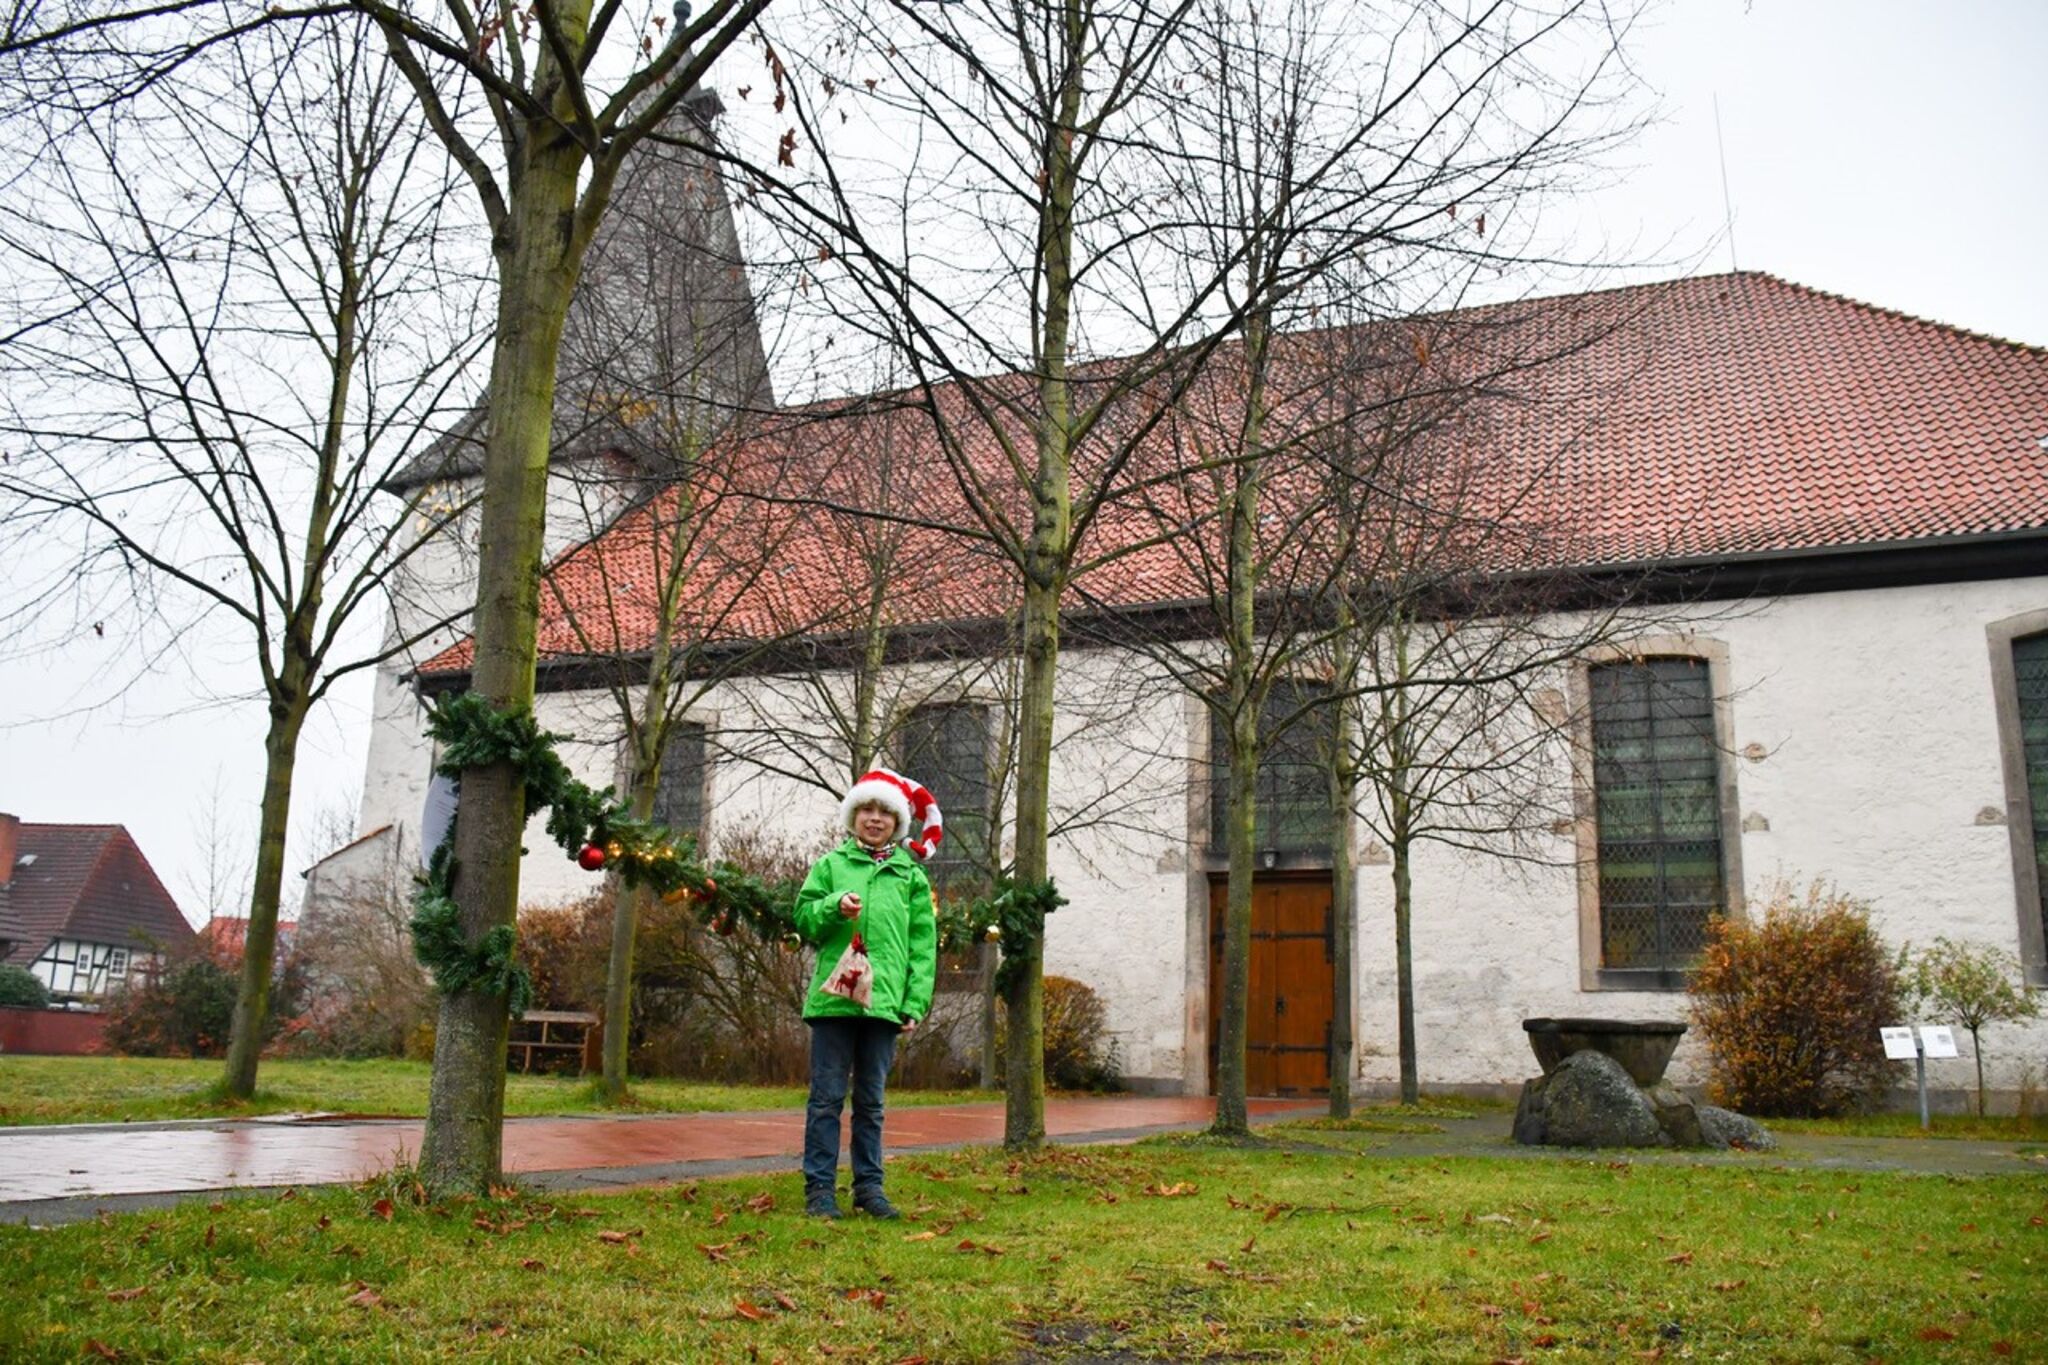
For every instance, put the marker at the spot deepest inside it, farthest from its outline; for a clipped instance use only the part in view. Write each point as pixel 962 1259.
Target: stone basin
pixel 1642 1046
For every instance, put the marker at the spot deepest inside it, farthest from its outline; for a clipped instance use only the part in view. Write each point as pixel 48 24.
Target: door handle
pixel 1280 1005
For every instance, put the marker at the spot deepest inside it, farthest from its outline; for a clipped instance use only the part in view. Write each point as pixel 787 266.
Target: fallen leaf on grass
pixel 620 1238
pixel 382 1208
pixel 1546 1341
pixel 1729 1286
pixel 761 1203
pixel 1248 1244
pixel 745 1308
pixel 1492 1310
pixel 123 1295
pixel 531 1264
pixel 1219 1265
pixel 209 1235
pixel 1682 1258
pixel 873 1298
pixel 1173 1191
pixel 784 1302
pixel 2002 1348
pixel 1936 1334
pixel 1539 1237
pixel 95 1347
pixel 985 1248
pixel 715 1253
pixel 912 1360
pixel 365 1298
pixel 920 1236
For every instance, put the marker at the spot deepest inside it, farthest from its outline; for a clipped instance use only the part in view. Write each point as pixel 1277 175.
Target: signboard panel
pixel 1938 1040
pixel 1898 1044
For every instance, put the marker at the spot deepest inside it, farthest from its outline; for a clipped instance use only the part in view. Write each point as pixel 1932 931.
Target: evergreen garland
pixel 595 828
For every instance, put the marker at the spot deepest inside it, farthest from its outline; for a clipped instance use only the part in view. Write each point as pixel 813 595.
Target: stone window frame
pixel 708 722
pixel 1713 652
pixel 2000 637
pixel 991 708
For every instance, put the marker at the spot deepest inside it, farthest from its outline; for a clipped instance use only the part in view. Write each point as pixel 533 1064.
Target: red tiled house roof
pixel 1701 422
pixel 90 883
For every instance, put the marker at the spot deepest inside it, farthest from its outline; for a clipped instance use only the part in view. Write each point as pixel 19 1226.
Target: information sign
pixel 1898 1044
pixel 1938 1040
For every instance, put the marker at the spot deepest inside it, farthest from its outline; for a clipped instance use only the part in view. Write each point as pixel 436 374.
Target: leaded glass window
pixel 679 799
pixel 946 747
pixel 1294 813
pixel 1656 780
pixel 2030 673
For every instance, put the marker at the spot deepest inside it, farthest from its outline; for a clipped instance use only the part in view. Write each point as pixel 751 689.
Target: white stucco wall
pixel 1879 752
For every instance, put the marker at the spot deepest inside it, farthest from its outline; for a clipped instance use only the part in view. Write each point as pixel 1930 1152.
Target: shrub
pixel 184 1010
pixel 1790 1002
pixel 23 989
pixel 365 994
pixel 1969 986
pixel 1079 1053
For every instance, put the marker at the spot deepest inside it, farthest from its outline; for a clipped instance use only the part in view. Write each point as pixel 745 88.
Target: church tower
pixel 662 352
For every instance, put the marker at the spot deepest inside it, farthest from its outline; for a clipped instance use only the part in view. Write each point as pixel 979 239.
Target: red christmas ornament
pixel 591 858
pixel 724 925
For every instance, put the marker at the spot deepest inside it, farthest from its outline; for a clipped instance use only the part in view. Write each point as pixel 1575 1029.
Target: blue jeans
pixel 865 1048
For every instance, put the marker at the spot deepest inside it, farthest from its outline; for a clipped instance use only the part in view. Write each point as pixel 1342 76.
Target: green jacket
pixel 896 923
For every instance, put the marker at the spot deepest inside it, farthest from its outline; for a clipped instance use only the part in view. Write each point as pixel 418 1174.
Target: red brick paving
pixel 59 1163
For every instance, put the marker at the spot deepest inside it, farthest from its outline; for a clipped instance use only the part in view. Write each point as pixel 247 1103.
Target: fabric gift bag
pixel 853 978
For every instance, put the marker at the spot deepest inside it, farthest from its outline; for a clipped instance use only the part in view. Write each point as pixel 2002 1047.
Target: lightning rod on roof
pixel 1727 204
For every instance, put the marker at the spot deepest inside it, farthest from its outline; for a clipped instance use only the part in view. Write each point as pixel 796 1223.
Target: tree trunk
pixel 1232 1114
pixel 1404 965
pixel 629 903
pixel 1343 915
pixel 1024 996
pixel 539 252
pixel 259 935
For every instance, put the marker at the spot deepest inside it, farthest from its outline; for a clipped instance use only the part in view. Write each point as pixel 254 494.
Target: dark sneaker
pixel 875 1204
pixel 821 1204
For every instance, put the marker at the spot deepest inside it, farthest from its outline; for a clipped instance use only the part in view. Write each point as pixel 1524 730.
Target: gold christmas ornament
pixel 993 932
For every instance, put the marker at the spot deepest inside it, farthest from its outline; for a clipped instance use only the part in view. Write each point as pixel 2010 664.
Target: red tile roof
pixel 1697 420
pixel 90 883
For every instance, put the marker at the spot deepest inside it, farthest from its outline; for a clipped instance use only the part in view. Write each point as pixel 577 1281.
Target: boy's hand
pixel 909 1027
pixel 849 904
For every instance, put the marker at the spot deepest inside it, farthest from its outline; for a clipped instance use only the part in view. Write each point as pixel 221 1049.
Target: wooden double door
pixel 1287 1036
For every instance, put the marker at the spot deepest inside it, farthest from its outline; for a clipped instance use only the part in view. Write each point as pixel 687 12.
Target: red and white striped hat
pixel 913 806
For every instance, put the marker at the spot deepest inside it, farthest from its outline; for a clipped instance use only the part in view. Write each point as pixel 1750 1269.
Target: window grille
pixel 1656 778
pixel 946 747
pixel 2030 673
pixel 679 799
pixel 1294 815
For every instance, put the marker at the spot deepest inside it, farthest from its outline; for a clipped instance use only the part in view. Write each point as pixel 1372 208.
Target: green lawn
pixel 116 1089
pixel 1306 1248
pixel 1991 1128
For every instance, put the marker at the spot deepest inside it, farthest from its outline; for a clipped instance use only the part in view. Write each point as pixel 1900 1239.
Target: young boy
pixel 869 887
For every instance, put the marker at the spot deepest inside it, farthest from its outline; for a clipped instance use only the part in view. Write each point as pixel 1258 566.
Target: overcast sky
pixel 1895 153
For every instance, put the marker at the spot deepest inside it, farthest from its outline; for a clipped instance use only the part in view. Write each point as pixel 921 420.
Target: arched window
pixel 2030 690
pixel 1657 809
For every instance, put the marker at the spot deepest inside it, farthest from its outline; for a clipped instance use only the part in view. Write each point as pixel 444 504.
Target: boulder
pixel 1676 1115
pixel 1588 1101
pixel 1725 1128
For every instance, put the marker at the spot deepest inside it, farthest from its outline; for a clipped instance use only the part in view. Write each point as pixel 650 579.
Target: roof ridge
pixel 1897 314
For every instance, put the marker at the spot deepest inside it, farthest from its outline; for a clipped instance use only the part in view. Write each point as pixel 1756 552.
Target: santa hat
pixel 908 801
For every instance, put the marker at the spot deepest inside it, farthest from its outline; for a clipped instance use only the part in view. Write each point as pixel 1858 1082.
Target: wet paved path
pixel 89 1161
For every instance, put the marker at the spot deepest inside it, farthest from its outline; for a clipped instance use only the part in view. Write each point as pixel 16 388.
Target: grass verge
pixel 1157 1251
pixel 36 1090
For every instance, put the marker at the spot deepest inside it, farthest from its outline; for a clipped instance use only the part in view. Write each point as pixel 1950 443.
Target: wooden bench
pixel 552 1038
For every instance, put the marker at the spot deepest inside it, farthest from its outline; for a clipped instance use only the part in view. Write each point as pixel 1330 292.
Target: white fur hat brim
pixel 872 790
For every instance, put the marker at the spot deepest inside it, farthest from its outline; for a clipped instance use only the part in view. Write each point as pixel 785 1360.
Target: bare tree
pixel 233 329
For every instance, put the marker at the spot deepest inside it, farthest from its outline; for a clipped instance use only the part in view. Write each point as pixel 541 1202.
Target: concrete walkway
pixel 56 1174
